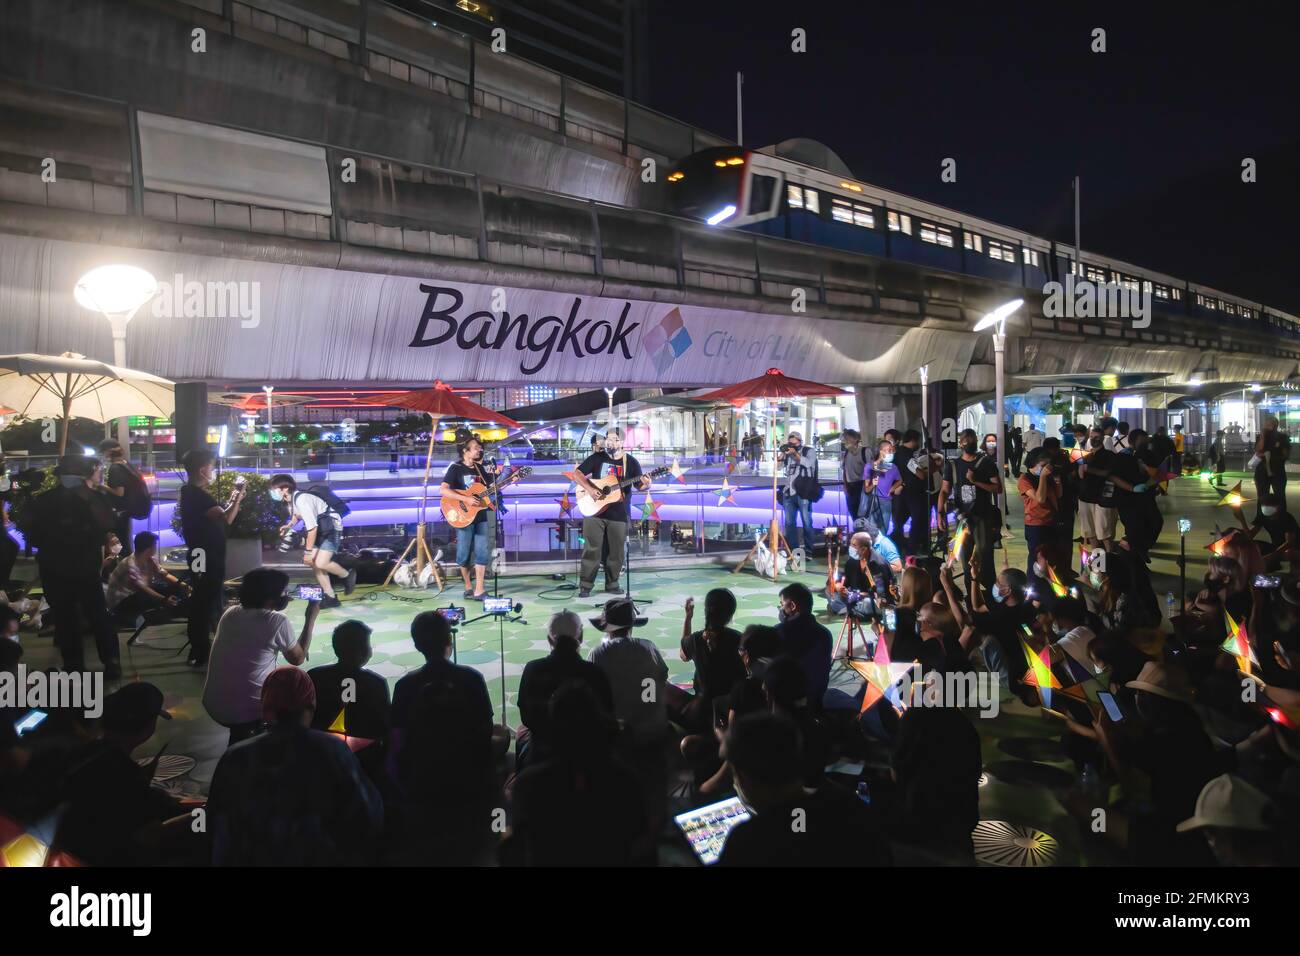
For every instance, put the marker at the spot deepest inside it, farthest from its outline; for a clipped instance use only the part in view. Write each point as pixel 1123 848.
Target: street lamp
pixel 270 430
pixel 116 292
pixel 997 320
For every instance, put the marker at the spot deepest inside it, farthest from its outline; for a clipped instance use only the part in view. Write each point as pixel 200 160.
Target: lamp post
pixel 270 431
pixel 997 320
pixel 116 292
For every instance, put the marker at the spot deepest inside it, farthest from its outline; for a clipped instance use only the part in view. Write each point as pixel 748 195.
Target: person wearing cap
pixel 797 462
pixel 544 675
pixel 118 473
pixel 68 526
pixel 636 671
pixel 110 804
pixel 293 796
pixel 1239 822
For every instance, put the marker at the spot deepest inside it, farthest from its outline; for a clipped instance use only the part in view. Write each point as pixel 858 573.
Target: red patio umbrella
pixel 439 402
pixel 771 384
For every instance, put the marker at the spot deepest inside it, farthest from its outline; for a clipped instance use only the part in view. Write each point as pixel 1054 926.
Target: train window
pixel 851 212
pixel 940 235
pixel 972 240
pixel 794 196
pixel 761 191
pixel 1094 274
pixel 841 210
pixel 900 223
pixel 1161 292
pixel 811 200
pixel 1001 251
pixel 864 216
pixel 1031 257
pixel 1176 293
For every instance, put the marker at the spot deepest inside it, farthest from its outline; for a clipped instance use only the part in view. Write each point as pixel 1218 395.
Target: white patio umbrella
pixel 71 386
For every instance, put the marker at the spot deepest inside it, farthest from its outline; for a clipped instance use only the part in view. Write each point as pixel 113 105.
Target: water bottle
pixel 1170 605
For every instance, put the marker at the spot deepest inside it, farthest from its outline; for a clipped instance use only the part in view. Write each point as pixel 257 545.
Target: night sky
pixel 1157 126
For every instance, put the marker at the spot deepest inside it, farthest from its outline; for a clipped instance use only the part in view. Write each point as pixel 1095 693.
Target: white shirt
pixel 1075 643
pixel 805 464
pixel 245 651
pixel 637 674
pixel 310 508
pixel 1033 439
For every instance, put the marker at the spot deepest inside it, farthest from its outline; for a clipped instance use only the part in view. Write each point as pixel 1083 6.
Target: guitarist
pixel 478 535
pixel 610 526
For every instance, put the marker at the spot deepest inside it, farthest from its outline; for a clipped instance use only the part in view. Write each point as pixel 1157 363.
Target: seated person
pixel 347 688
pixel 1282 529
pixel 140 584
pixel 806 640
pixel 869 568
pixel 766 754
pixel 715 651
pixel 292 796
pixel 544 675
pixel 112 555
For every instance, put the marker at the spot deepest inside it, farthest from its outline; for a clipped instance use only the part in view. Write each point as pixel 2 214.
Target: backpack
pixel 325 494
pixel 807 486
pixel 136 500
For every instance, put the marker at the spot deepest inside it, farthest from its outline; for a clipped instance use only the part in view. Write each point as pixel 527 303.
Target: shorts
pixel 477 538
pixel 329 535
pixel 1096 521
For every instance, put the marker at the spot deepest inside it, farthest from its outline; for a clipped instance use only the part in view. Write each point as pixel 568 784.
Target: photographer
pixel 867 554
pixel 324 526
pixel 800 489
pixel 124 482
pixel 972 481
pixel 203 526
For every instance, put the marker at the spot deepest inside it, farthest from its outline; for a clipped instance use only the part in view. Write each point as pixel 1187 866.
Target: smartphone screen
pixel 1112 709
pixel 1267 581
pixel 29 721
pixel 453 614
pixel 310 592
pixel 498 605
pixel 891 619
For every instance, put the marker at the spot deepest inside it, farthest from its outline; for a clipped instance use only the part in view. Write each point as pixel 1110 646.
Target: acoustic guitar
pixel 591 506
pixel 460 514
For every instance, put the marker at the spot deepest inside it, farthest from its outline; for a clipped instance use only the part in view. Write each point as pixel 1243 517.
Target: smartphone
pixel 310 592
pixel 891 619
pixel 29 721
pixel 498 605
pixel 1267 581
pixel 1112 709
pixel 706 828
pixel 453 614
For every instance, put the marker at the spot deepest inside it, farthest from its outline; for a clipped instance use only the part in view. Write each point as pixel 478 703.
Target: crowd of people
pixel 1194 711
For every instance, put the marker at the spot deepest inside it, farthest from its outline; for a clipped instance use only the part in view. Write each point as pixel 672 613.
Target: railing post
pixel 595 238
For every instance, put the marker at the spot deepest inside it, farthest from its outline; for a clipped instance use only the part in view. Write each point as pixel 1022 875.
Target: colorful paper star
pixel 1039 673
pixel 29 846
pixel 1238 645
pixel 882 676
pixel 677 471
pixel 566 505
pixel 1059 589
pixel 726 494
pixel 340 728
pixel 649 508
pixel 1233 498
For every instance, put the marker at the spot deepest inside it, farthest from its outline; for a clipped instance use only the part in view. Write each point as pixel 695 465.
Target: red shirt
pixel 1037 513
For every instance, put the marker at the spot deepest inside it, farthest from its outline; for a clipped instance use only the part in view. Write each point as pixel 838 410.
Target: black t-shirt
pixel 1129 468
pixel 588 814
pixel 198 530
pixel 367 710
pixel 461 476
pixel 602 465
pixel 937 760
pixel 543 676
pixel 968 498
pixel 838 830
pixel 1003 623
pixel 718 669
pixel 68 530
pixel 116 477
pixel 1274 458
pixel 913 486
pixel 1098 489
pixel 1278 526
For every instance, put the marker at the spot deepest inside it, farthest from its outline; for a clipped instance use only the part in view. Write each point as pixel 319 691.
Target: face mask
pixel 1268 510
pixel 998 593
pixel 781 615
pixel 1098 668
pixel 991 446
pixel 887 459
pixel 1035 471
pixel 854 553
pixel 970 448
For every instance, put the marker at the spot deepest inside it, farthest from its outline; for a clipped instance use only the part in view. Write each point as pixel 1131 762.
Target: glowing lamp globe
pixel 115 289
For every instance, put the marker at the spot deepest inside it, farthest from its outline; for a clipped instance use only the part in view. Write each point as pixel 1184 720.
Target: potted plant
pixel 258 522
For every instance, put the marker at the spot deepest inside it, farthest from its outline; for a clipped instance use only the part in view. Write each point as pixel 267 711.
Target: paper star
pixel 677 471
pixel 726 494
pixel 340 728
pixel 1238 645
pixel 1039 673
pixel 1233 498
pixel 958 541
pixel 649 509
pixel 566 505
pixel 1059 589
pixel 29 846
pixel 882 676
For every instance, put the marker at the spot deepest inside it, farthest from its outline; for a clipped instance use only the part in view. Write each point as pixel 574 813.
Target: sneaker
pixel 329 601
pixel 350 582
pixel 613 589
pixel 584 592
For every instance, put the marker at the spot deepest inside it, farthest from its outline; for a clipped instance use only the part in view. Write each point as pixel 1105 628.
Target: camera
pixel 289 540
pixel 453 614
pixel 310 592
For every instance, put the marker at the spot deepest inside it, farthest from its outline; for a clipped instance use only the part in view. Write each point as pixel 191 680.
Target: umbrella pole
pixel 67 424
pixel 421 548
